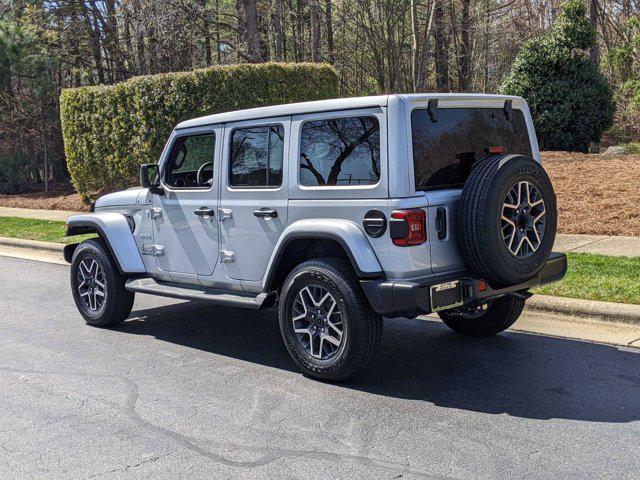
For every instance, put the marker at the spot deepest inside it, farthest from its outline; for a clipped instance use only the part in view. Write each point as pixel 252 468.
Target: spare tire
pixel 507 218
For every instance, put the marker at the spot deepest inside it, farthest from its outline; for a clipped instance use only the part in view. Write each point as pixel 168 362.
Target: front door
pixel 253 195
pixel 185 226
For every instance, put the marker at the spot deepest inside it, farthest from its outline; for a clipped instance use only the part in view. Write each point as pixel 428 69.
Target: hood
pixel 120 199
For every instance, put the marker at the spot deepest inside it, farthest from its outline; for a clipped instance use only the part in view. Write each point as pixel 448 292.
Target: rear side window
pixel 340 151
pixel 256 156
pixel 444 151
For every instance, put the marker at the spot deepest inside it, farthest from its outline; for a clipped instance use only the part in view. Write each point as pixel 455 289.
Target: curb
pixel 32 245
pixel 606 311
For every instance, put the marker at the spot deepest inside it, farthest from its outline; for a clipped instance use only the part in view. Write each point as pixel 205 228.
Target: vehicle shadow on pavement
pixel 518 374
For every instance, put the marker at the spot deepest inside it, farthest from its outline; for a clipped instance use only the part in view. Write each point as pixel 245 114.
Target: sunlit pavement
pixel 186 390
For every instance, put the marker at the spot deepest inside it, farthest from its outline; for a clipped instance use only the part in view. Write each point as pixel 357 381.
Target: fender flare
pixel 346 233
pixel 115 231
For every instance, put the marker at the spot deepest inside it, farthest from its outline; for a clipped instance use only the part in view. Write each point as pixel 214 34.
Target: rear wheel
pixel 484 320
pixel 97 285
pixel 327 325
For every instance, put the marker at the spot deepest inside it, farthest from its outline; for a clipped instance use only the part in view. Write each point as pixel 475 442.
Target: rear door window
pixel 256 156
pixel 445 151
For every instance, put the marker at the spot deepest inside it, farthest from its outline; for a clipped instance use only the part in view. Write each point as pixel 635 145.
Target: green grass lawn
pixel 33 229
pixel 599 277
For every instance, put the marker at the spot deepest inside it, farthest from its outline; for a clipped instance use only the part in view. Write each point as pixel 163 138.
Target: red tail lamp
pixel 408 227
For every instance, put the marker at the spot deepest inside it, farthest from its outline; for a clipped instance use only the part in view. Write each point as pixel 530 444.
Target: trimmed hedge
pixel 109 131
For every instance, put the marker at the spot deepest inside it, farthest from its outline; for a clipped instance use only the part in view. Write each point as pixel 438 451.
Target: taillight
pixel 408 227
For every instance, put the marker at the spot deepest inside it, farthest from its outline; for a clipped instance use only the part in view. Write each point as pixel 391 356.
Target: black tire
pixel 499 315
pixel 361 326
pixel 480 227
pixel 116 303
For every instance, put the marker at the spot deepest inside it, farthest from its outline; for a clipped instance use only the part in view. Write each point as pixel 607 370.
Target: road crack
pixel 270 454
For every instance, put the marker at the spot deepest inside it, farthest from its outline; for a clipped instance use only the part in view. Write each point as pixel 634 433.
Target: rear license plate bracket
pixel 444 296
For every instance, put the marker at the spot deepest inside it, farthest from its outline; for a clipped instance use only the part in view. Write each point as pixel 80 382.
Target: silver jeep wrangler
pixel 340 212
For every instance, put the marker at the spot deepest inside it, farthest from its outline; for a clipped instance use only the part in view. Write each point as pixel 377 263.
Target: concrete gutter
pixel 607 311
pixel 32 250
pixel 19 243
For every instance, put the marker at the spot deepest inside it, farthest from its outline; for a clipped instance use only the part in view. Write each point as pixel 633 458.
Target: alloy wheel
pixel 317 322
pixel 523 219
pixel 91 284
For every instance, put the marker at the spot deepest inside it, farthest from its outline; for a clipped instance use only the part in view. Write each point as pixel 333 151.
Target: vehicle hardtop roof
pixel 331 105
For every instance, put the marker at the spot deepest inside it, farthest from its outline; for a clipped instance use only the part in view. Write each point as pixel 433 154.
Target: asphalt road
pixel 186 390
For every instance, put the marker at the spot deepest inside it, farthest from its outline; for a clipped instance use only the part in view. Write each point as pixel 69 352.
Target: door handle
pixel 265 213
pixel 205 212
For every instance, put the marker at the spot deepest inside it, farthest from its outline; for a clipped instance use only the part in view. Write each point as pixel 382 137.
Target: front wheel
pixel 327 325
pixel 97 285
pixel 484 320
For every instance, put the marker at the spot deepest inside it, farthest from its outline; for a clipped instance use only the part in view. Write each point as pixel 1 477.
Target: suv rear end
pixel 435 142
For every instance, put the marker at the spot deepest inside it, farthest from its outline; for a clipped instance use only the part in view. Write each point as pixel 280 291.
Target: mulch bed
pixel 60 197
pixel 597 194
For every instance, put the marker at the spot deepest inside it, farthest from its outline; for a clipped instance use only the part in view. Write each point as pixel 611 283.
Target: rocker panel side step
pixel 216 296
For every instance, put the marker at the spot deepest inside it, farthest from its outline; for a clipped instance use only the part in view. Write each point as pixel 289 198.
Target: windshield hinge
pixel 508 110
pixel 432 106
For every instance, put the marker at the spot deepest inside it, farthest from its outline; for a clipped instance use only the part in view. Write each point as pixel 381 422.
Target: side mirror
pixel 150 178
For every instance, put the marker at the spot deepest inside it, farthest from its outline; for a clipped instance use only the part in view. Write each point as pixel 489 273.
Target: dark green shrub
pixel 110 130
pixel 570 100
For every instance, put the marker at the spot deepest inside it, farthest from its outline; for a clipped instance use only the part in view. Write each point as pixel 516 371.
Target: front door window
pixel 190 164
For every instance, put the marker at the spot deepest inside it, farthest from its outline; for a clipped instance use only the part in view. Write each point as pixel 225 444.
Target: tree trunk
pixel 128 43
pixel 415 53
pixel 277 23
pixel 328 15
pixel 140 46
pixel 441 60
pixel 316 47
pixel 94 38
pixel 593 19
pixel 464 70
pixel 263 31
pixel 426 47
pixel 206 30
pixel 218 53
pixel 111 31
pixel 251 30
pixel 296 25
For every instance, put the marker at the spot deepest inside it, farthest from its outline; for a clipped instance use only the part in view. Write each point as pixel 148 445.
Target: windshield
pixel 444 151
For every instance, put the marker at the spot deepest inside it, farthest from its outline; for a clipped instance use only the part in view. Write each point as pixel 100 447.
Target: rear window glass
pixel 444 151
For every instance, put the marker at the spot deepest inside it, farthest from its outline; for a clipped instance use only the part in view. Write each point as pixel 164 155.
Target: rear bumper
pixel 406 298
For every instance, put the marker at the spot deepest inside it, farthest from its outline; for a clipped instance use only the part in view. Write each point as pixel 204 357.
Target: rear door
pixel 253 200
pixel 445 150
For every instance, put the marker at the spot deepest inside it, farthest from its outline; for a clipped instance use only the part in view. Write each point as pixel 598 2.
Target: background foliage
pixel 376 46
pixel 570 100
pixel 110 130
